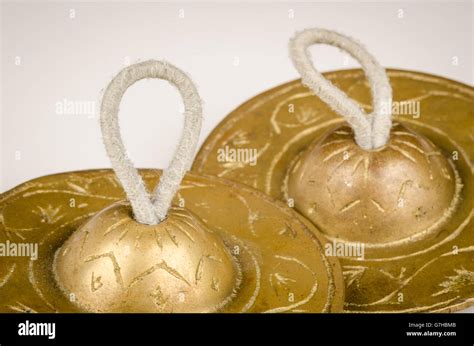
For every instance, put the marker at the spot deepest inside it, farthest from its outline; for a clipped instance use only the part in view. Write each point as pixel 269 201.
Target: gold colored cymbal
pixel 223 248
pixel 408 205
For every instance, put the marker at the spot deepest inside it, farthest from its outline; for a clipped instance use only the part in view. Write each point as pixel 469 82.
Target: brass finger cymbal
pixel 409 204
pixel 224 247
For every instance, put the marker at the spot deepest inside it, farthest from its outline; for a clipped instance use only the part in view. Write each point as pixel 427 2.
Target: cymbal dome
pixel 115 264
pixel 398 193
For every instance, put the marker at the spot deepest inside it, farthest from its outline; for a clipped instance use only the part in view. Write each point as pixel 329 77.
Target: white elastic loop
pixel 371 131
pixel 145 210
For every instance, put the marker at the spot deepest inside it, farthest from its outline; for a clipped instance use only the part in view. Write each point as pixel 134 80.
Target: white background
pixel 74 59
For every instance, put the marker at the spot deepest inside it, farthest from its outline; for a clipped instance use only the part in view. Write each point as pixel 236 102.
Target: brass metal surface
pixel 417 231
pixel 115 264
pixel 398 194
pixel 224 247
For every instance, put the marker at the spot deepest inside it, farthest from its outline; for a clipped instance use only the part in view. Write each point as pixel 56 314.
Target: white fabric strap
pixel 371 131
pixel 145 210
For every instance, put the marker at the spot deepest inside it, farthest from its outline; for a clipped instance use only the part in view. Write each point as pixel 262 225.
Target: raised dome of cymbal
pixel 115 264
pixel 398 193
